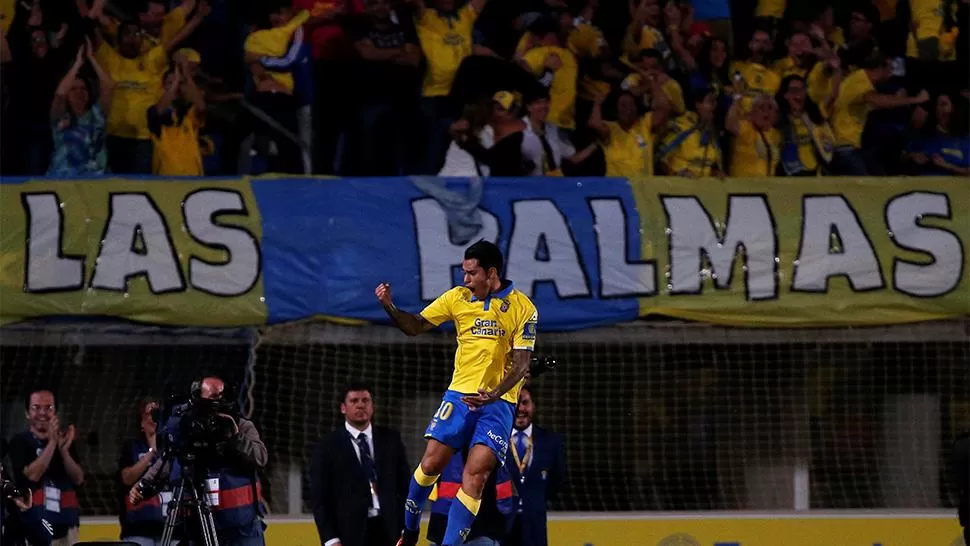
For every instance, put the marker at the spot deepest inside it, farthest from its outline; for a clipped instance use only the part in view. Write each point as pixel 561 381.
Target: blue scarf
pixel 791 160
pixel 707 139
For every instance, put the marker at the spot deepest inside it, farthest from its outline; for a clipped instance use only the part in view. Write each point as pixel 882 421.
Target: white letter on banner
pixel 136 242
pixel 693 235
pixel 437 255
pixel 829 219
pixel 239 272
pixel 943 271
pixel 619 277
pixel 48 268
pixel 538 222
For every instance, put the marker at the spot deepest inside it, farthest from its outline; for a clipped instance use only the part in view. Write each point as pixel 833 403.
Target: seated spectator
pixel 628 142
pixel 174 123
pixel 857 96
pixel 79 122
pixel 504 157
pixel 756 144
pixel 807 139
pixel 941 146
pixel 557 69
pixel 545 145
pixel 691 148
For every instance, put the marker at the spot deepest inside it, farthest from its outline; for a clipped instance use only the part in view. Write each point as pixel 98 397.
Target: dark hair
pixel 528 387
pixel 536 93
pixel 811 108
pixel 36 390
pixel 652 53
pixel 487 254
pixel 722 74
pixel 696 96
pixel 125 24
pixel 877 59
pixel 140 407
pixel 870 12
pixel 355 386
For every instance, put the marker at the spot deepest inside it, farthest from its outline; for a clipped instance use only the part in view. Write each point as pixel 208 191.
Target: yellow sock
pixel 472 504
pixel 423 479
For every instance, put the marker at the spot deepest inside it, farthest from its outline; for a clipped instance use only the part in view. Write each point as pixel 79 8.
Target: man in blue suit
pixel 537 464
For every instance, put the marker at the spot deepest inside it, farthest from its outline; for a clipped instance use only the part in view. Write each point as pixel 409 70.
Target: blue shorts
pixel 458 427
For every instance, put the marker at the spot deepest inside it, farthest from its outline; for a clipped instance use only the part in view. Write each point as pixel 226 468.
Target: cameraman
pixel 19 524
pixel 236 509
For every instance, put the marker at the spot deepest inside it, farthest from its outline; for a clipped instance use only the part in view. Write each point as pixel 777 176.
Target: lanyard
pixel 522 462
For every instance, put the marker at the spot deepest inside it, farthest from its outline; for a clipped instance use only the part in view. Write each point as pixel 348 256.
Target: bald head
pixel 212 388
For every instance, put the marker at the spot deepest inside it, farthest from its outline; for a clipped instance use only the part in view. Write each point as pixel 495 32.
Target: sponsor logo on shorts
pixel 498 440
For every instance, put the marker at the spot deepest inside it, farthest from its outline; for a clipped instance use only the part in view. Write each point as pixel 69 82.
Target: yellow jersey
pixel 176 143
pixel 275 42
pixel 755 153
pixel 488 331
pixel 445 42
pixel 584 41
pixel 686 149
pixel 138 86
pixel 805 142
pixel 562 93
pixel 851 109
pixel 773 9
pixel 8 9
pixel 757 80
pixel 630 153
pixel 787 67
pixel 821 85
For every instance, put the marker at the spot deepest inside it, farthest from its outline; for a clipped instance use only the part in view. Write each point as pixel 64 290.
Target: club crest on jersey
pixel 505 306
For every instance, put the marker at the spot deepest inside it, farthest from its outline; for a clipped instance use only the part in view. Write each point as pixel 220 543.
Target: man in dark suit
pixel 359 478
pixel 537 464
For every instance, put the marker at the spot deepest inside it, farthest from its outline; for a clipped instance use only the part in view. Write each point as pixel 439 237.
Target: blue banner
pixel 329 244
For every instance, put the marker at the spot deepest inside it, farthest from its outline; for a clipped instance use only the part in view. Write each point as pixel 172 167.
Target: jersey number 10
pixel 444 411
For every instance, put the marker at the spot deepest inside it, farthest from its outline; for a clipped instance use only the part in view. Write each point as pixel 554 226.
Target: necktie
pixel 367 462
pixel 522 451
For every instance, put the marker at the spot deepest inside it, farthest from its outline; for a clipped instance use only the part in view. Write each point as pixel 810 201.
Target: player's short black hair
pixel 355 386
pixel 487 254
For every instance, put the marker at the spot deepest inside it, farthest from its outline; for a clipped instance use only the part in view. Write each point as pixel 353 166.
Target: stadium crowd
pixel 487 87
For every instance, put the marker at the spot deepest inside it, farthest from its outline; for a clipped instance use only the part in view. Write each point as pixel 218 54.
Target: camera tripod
pixel 191 495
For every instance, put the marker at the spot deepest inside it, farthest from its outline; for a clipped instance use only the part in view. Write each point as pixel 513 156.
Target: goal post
pixel 655 416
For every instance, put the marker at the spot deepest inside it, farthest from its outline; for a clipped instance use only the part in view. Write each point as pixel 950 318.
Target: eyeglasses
pixel 41 408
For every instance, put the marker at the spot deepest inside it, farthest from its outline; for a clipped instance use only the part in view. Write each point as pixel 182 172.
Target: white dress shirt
pixel 528 434
pixel 354 433
pixel 369 431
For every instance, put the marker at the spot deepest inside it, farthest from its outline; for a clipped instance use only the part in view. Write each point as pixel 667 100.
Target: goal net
pixel 655 416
